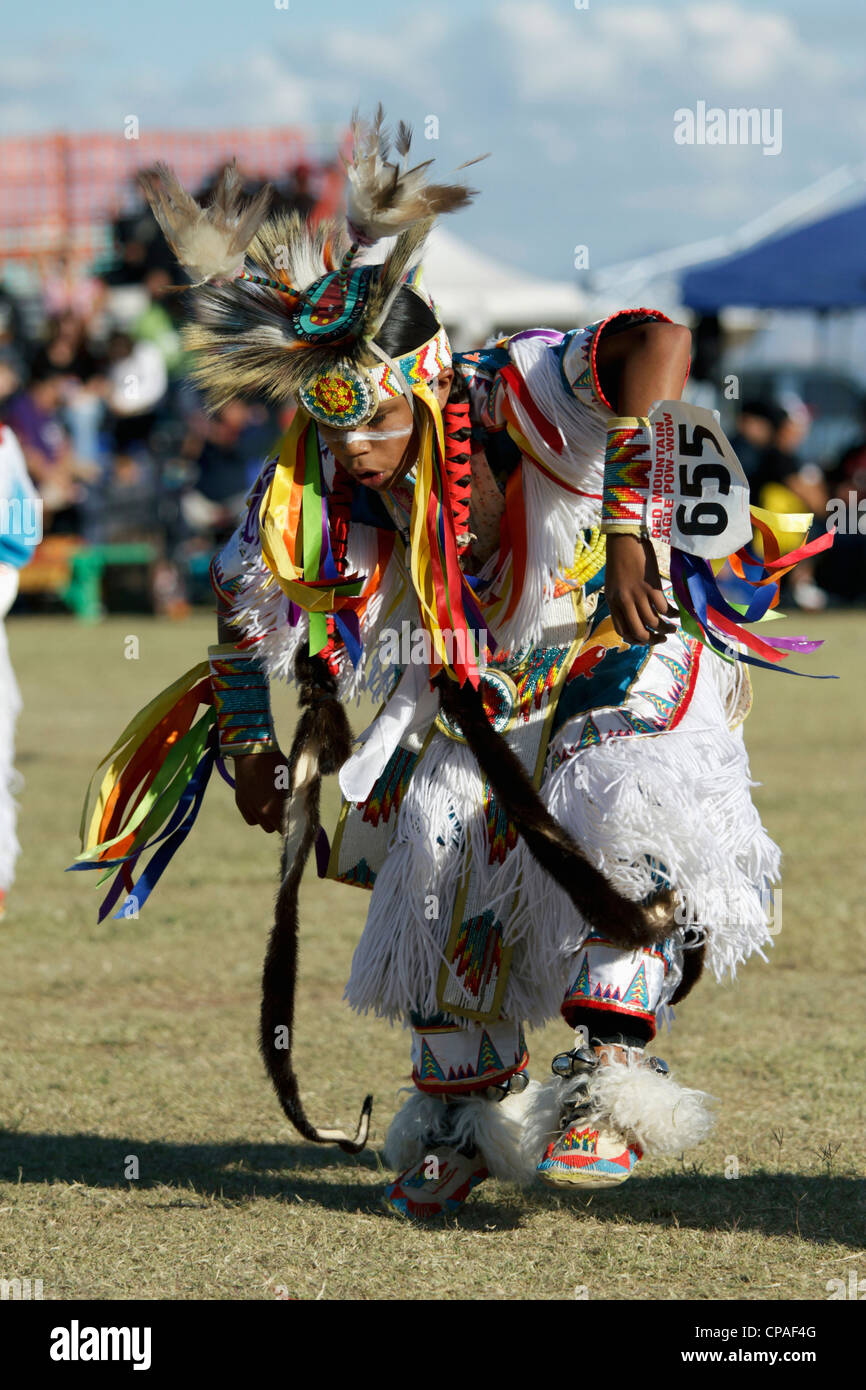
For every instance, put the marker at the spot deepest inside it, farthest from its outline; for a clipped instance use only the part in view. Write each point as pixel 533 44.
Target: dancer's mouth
pixel 370 478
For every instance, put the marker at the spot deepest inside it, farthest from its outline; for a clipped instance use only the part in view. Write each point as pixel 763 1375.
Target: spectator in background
pixel 12 338
pixel 68 350
pixel 298 196
pixel 753 434
pixel 137 382
pixel 67 347
pixel 784 482
pixel 842 568
pixel 11 373
pixel 128 267
pixel 231 446
pixel 702 385
pixel 34 415
pixel 69 289
pixel 157 324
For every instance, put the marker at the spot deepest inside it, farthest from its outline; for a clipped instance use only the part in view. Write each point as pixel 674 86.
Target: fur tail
pixel 322 742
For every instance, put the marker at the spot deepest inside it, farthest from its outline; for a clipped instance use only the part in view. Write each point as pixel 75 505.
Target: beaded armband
pixel 627 465
pixel 242 701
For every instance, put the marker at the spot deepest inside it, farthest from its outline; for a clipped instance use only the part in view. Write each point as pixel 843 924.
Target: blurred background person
pixel 784 482
pixel 753 433
pixel 34 414
pixel 137 382
pixel 842 568
pixel 20 529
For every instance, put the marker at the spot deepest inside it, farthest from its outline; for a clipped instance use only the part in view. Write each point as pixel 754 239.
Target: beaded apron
pixel 581 675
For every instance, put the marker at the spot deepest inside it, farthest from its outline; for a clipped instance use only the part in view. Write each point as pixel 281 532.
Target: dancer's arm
pixel 640 364
pixel 259 785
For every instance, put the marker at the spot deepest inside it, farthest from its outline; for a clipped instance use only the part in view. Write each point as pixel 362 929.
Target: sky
pixel 574 99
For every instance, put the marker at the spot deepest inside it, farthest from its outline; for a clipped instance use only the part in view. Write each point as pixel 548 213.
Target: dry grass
pixel 139 1039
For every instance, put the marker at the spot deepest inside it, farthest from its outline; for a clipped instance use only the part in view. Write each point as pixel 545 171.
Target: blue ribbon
pixel 171 838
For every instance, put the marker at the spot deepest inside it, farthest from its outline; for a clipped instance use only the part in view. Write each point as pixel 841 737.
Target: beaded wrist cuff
pixel 627 463
pixel 241 700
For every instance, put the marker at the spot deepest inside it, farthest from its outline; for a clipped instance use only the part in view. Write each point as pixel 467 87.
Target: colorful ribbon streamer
pixel 718 597
pixel 150 796
pixel 296 548
pixel 443 594
pixel 293 523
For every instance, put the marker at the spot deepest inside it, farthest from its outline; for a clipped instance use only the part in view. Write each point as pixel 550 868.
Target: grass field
pixel 140 1039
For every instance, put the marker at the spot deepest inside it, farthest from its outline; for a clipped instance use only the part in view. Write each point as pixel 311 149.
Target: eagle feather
pixel 209 242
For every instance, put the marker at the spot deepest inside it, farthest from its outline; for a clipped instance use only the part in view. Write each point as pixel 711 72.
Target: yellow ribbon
pixel 136 731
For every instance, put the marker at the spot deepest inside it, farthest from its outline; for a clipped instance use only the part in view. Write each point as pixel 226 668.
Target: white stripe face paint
pixel 352 436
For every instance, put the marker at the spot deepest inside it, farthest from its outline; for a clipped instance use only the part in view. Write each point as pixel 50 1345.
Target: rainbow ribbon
pixel 716 597
pixel 296 543
pixel 296 547
pixel 151 794
pixel 445 598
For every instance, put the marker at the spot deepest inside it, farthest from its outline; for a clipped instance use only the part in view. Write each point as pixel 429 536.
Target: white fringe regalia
pixel 19 532
pixel 638 752
pixel 10 707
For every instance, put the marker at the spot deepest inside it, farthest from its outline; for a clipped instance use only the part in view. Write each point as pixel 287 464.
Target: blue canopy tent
pixel 822 267
pixel 819 268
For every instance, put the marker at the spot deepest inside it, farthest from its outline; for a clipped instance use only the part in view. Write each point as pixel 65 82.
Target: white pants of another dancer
pixel 10 704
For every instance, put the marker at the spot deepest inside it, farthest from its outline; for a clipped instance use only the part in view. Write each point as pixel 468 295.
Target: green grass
pixel 140 1038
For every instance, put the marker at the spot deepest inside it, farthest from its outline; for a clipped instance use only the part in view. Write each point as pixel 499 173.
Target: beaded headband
pixel 349 395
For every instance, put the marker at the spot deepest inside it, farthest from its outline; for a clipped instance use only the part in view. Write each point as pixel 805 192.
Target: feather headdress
pixel 282 307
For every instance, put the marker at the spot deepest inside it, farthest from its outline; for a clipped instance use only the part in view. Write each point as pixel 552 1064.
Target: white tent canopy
pixel 478 296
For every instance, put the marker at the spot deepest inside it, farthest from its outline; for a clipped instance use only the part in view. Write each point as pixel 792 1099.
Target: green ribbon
pixel 182 758
pixel 690 624
pixel 311 530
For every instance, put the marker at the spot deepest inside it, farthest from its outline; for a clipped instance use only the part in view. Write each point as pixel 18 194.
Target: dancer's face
pixel 388 443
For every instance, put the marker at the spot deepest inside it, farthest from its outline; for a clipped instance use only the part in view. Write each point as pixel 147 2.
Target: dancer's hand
pixel 260 788
pixel 633 590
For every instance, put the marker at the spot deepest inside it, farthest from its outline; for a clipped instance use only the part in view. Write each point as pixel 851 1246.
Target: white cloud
pixel 266 89
pixel 575 105
pixel 558 145
pixel 622 53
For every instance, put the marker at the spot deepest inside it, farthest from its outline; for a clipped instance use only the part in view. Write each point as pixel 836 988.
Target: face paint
pixel 351 436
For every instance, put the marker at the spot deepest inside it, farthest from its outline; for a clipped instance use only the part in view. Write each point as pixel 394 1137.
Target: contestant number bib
pixel 699 494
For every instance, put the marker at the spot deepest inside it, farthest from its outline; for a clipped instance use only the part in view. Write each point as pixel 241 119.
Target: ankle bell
pixel 514 1086
pixel 580 1060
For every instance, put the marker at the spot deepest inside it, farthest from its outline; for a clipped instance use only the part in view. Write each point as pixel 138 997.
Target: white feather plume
pixel 209 242
pixel 384 197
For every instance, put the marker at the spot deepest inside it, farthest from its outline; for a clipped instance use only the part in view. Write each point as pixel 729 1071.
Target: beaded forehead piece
pixel 281 307
pixel 345 397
